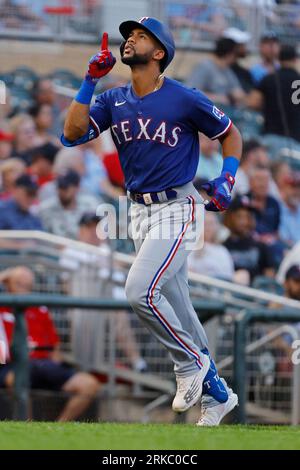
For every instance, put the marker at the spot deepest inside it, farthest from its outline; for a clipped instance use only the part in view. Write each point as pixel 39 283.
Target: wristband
pixel 230 165
pixel 86 91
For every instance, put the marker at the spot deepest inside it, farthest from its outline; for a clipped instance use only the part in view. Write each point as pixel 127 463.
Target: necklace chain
pixel 158 83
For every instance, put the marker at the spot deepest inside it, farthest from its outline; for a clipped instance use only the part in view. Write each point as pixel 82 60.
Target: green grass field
pixel 15 435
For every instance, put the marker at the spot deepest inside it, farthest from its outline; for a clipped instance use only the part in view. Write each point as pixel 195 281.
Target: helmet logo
pixel 144 18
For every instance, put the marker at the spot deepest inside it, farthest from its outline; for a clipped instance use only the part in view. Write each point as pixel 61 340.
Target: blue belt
pixel 153 198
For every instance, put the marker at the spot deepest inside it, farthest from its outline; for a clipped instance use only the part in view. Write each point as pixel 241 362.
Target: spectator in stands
pixel 42 160
pixel 274 97
pixel 269 52
pixel 43 118
pixel 19 14
pixel 6 140
pixel 267 213
pixel 61 213
pixel 25 135
pixel 213 259
pixel 193 23
pixel 241 39
pixel 88 229
pixel 215 78
pixel 283 344
pixel 95 177
pixel 210 162
pixel 88 164
pixel 288 186
pixel 16 212
pixel 250 257
pixel 292 257
pixel 47 368
pixel 10 170
pixel 292 282
pixel 208 19
pixel 44 93
pixel 66 159
pixel 254 155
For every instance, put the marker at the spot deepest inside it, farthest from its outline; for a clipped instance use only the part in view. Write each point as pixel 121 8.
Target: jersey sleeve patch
pixel 218 113
pixel 207 117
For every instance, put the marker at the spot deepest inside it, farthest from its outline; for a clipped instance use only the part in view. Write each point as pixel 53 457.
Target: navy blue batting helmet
pixel 160 32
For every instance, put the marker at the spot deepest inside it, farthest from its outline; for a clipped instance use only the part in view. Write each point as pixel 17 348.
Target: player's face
pixel 140 49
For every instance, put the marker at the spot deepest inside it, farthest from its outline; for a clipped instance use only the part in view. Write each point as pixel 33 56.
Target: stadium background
pixel 53 40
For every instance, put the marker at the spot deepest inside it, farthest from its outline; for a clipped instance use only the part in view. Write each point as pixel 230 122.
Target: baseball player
pixel 154 122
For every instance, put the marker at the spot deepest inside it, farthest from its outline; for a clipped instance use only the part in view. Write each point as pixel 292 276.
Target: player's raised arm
pixel 77 119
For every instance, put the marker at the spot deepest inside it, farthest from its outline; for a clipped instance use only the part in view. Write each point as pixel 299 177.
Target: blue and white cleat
pixel 212 411
pixel 189 389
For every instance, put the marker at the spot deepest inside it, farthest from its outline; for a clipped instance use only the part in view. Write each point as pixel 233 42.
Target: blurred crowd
pixel 199 21
pixel 191 21
pixel 263 221
pixel 44 186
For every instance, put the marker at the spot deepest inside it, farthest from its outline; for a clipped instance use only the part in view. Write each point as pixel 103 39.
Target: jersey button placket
pixel 140 112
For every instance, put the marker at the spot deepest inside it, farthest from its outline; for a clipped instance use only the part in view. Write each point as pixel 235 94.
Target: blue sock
pixel 212 384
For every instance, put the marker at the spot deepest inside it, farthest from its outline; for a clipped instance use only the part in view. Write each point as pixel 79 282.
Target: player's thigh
pixel 158 261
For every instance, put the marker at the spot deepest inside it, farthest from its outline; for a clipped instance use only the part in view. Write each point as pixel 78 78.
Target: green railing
pixel 242 323
pixel 205 309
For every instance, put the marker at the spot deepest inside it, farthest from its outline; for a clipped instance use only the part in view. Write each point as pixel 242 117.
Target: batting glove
pixel 102 63
pixel 220 189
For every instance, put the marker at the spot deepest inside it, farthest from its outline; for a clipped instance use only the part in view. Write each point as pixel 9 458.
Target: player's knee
pixel 136 292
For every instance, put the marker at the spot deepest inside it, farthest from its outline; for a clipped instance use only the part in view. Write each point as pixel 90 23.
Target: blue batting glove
pixel 220 189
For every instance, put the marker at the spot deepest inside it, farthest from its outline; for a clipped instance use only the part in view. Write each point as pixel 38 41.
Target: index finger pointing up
pixel 104 44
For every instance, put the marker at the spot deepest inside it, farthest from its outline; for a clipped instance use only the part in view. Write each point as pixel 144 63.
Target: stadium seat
pixel 21 99
pixel 278 145
pixel 24 78
pixel 66 78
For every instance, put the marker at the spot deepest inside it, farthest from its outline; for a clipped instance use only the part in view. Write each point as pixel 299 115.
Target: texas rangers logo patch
pixel 218 113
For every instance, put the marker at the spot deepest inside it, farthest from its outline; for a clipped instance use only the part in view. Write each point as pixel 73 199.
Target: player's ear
pixel 159 54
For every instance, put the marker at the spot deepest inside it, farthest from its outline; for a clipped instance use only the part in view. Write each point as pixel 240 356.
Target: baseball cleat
pixel 189 389
pixel 212 412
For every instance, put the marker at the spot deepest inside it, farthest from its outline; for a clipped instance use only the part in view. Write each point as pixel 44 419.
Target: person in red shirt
pixel 6 144
pixel 47 370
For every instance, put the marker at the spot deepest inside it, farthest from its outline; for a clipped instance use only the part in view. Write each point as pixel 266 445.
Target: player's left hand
pixel 102 63
pixel 220 189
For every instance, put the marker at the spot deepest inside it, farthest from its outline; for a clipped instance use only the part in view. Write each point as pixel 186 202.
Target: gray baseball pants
pixel 157 284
